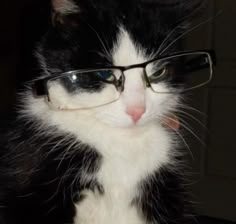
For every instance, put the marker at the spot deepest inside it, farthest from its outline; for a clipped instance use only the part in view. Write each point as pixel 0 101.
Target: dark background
pixel 22 23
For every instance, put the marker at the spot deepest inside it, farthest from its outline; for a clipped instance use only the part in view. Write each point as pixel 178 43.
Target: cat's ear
pixel 62 10
pixel 64 6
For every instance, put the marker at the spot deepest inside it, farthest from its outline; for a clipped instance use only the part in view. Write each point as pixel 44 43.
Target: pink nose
pixel 135 112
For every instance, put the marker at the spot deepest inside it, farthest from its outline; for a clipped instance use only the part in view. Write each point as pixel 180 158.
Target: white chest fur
pixel 125 164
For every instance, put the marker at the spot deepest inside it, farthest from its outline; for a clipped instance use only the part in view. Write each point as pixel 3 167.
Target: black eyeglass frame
pixel 40 85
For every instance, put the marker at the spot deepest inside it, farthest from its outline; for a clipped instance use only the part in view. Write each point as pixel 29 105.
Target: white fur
pixel 130 151
pixel 65 6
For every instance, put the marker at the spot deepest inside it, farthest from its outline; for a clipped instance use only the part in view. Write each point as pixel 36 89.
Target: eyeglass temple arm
pixel 200 62
pixel 39 87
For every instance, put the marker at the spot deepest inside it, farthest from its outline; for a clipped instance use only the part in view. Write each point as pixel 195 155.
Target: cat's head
pixel 88 34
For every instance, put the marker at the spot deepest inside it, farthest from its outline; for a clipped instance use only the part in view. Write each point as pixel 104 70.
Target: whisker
pixel 187 128
pixel 190 30
pixel 102 43
pixel 192 109
pixel 65 152
pixel 185 143
pixel 183 140
pixel 180 136
pixel 165 41
pixel 187 115
pixel 51 210
pixel 55 147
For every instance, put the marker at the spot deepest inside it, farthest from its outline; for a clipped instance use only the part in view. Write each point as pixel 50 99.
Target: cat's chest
pixel 112 207
pixel 123 168
pixel 119 181
pixel 114 203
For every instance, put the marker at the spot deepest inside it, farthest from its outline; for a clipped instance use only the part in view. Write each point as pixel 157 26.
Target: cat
pixel 115 163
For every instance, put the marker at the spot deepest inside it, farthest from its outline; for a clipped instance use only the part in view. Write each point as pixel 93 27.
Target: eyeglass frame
pixel 40 85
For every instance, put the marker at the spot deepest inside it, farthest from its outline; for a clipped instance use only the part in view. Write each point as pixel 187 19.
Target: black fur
pixel 42 180
pixel 160 202
pixel 39 179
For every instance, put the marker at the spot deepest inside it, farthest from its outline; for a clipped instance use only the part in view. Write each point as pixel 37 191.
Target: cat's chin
pixel 128 125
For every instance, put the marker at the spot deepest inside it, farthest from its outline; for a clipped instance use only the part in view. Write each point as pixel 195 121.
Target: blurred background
pixel 214 146
pixel 211 132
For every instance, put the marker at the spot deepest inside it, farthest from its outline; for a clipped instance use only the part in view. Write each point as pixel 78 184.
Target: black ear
pixel 64 10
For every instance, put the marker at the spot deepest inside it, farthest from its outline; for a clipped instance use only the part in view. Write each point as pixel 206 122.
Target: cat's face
pixel 88 34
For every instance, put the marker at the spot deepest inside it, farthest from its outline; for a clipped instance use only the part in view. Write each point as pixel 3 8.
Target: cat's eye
pixel 84 89
pixel 159 74
pixel 179 73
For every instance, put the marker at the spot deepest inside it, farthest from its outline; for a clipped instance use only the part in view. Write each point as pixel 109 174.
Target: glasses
pixel 88 88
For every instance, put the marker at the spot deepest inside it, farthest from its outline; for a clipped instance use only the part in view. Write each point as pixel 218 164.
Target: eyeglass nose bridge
pixel 120 83
pixel 146 79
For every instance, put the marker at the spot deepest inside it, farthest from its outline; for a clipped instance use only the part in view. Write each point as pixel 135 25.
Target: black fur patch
pixel 164 198
pixel 42 176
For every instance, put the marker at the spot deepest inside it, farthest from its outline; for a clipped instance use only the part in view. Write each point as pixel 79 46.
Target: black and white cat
pixel 112 164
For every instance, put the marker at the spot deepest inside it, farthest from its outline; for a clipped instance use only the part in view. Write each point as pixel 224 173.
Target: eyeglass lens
pixel 179 73
pixel 84 89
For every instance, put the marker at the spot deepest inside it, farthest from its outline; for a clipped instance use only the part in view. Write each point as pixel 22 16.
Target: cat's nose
pixel 135 112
